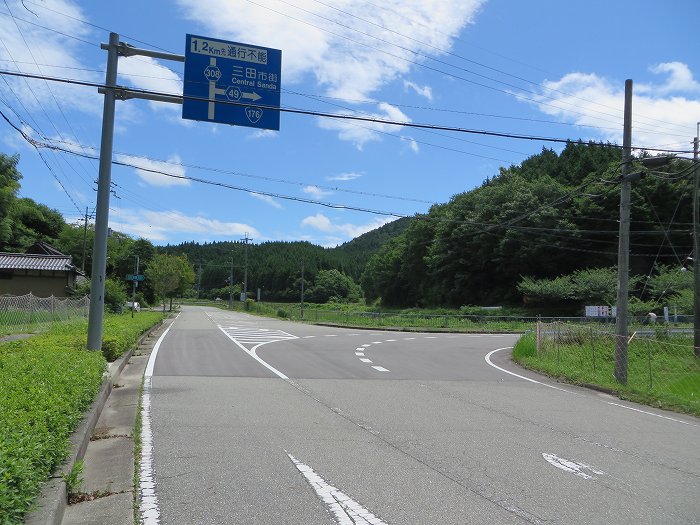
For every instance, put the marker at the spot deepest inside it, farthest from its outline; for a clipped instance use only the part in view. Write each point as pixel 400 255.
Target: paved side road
pixel 254 426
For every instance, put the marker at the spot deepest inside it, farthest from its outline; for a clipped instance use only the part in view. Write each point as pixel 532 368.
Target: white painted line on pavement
pixel 572 466
pixel 366 345
pixel 331 335
pixel 156 347
pixel 380 369
pixel 255 356
pixel 344 510
pixel 360 349
pixel 376 342
pixel 488 360
pixel 148 501
pixel 408 338
pixel 390 341
pixel 365 360
pixel 651 414
pixel 360 354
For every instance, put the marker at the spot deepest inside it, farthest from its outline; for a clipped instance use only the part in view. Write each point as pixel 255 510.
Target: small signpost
pixel 231 83
pixel 135 277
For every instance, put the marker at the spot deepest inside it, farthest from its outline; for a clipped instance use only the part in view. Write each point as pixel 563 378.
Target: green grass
pixel 46 384
pixel 661 372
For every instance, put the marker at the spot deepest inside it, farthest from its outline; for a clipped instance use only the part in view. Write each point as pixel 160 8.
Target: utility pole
pixel 99 250
pixel 696 250
pixel 623 254
pixel 245 271
pixel 134 285
pixel 302 291
pixel 199 280
pixel 230 284
pixel 82 266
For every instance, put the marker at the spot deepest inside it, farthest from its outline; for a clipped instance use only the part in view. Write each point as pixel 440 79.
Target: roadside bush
pixel 46 384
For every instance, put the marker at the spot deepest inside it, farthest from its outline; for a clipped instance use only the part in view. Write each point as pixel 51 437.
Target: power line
pixel 335 115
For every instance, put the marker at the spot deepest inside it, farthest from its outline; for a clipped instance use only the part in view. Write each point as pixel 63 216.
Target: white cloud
pixel 362 132
pixel 263 134
pixel 680 79
pixel 148 74
pixel 266 199
pixel 345 176
pixel 322 223
pixel 345 61
pixel 161 226
pixel 26 45
pixel 173 166
pixel 659 117
pixel 316 192
pixel 411 143
pixel 423 91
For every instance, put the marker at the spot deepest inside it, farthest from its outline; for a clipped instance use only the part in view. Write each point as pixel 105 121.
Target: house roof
pixel 43 248
pixel 24 261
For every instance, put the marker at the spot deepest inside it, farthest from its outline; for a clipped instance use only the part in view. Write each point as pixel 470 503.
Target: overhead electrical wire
pixel 380 50
pixel 358 118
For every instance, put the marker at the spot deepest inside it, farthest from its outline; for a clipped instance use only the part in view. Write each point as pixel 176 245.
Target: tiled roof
pixel 23 261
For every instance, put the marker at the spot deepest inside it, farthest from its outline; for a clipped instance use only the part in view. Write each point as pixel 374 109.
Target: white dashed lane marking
pixel 380 368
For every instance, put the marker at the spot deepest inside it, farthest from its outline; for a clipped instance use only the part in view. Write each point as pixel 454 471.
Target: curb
pixel 50 506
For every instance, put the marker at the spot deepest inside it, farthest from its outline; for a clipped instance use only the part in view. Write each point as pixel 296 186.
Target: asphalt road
pixel 262 421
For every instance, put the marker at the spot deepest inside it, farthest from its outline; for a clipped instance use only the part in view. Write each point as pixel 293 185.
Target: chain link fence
pixel 29 313
pixel 661 362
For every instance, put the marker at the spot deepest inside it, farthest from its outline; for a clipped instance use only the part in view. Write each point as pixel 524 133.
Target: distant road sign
pixel 225 77
pixel 132 277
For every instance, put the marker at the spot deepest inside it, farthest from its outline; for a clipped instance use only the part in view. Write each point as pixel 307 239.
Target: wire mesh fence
pixel 29 313
pixel 661 362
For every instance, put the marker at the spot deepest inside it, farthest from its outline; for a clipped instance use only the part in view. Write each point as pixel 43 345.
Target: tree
pixel 169 275
pixel 333 285
pixel 9 185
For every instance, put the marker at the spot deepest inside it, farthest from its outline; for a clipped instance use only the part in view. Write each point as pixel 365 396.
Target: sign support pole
pixel 99 250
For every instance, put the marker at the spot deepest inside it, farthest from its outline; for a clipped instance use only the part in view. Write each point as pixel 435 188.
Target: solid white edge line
pixel 156 347
pixel 488 360
pixel 255 356
pixel 149 511
pixel 487 357
pixel 652 414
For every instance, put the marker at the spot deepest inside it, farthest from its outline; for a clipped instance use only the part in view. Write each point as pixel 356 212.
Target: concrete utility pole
pixel 623 254
pixel 134 284
pixel 99 250
pixel 696 249
pixel 302 290
pixel 245 271
pixel 230 284
pixel 82 266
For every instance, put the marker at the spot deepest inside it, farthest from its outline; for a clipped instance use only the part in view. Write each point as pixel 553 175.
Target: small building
pixel 42 271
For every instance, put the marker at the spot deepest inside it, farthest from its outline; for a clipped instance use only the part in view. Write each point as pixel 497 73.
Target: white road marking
pixel 409 338
pixel 331 335
pixel 487 357
pixel 360 354
pixel 651 413
pixel 571 466
pixel 250 338
pixel 430 337
pixel 390 341
pixel 376 342
pixel 345 511
pixel 360 349
pixel 309 336
pixel 380 369
pixel 148 501
pixel 366 345
pixel 365 360
pixel 488 360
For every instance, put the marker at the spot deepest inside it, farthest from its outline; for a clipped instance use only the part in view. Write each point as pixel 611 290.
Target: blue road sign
pixel 230 81
pixel 134 277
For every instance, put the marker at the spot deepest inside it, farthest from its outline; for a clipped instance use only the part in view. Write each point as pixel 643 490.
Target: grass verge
pixel 46 384
pixel 661 373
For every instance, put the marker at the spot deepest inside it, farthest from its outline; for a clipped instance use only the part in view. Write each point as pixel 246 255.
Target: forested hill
pixel 275 267
pixel 551 215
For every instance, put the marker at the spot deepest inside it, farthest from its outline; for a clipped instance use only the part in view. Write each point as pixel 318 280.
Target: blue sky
pixel 542 67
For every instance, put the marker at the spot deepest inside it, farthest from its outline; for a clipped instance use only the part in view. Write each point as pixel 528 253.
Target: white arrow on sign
pixel 252 96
